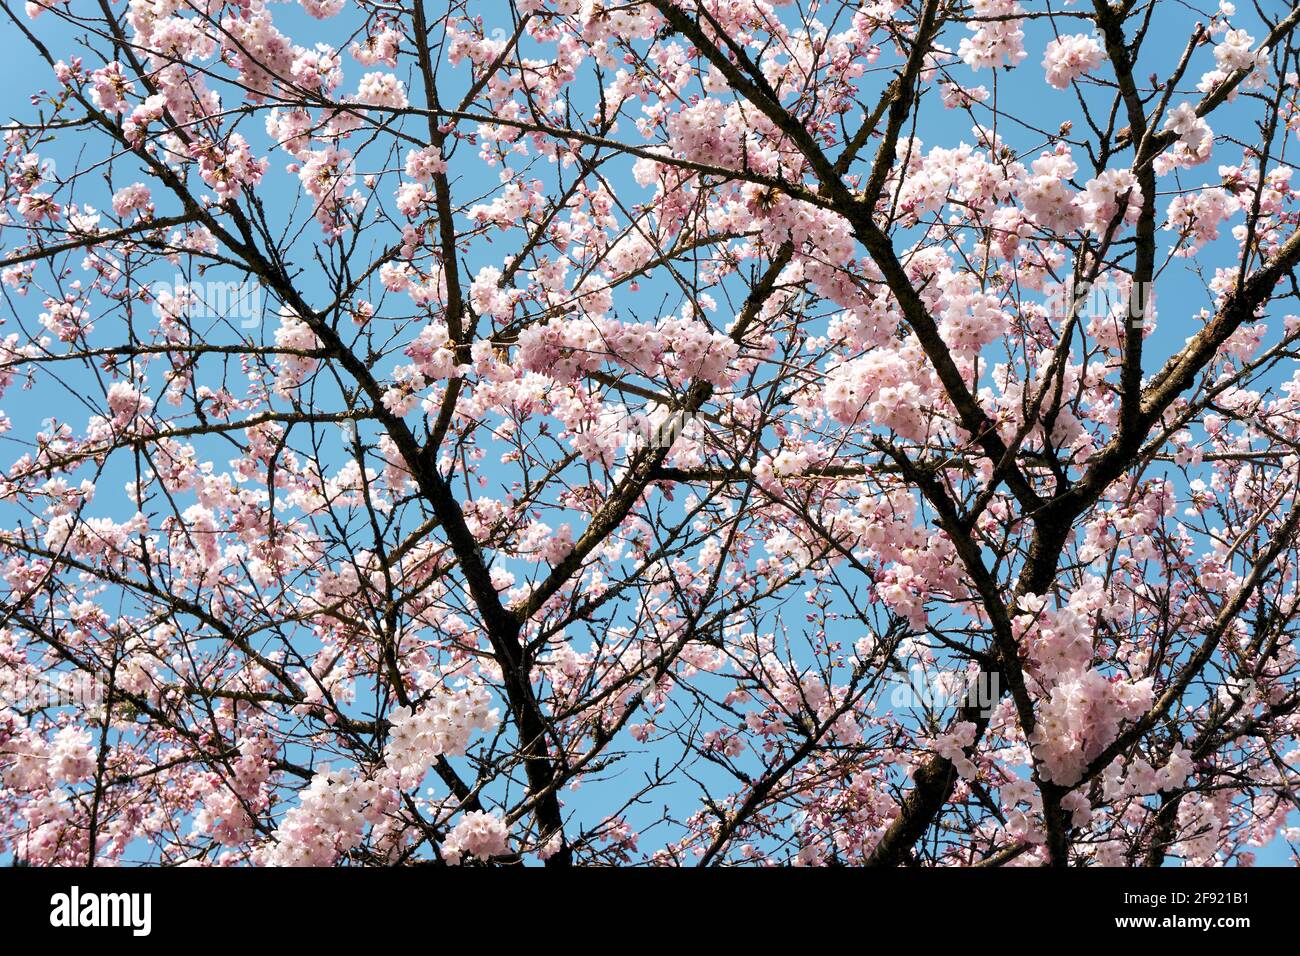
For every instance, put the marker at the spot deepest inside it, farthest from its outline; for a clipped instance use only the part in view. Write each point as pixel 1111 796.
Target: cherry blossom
pixel 1069 57
pixel 666 432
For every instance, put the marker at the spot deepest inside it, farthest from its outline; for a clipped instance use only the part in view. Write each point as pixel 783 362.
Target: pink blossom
pixel 478 834
pixel 1069 57
pixel 133 198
